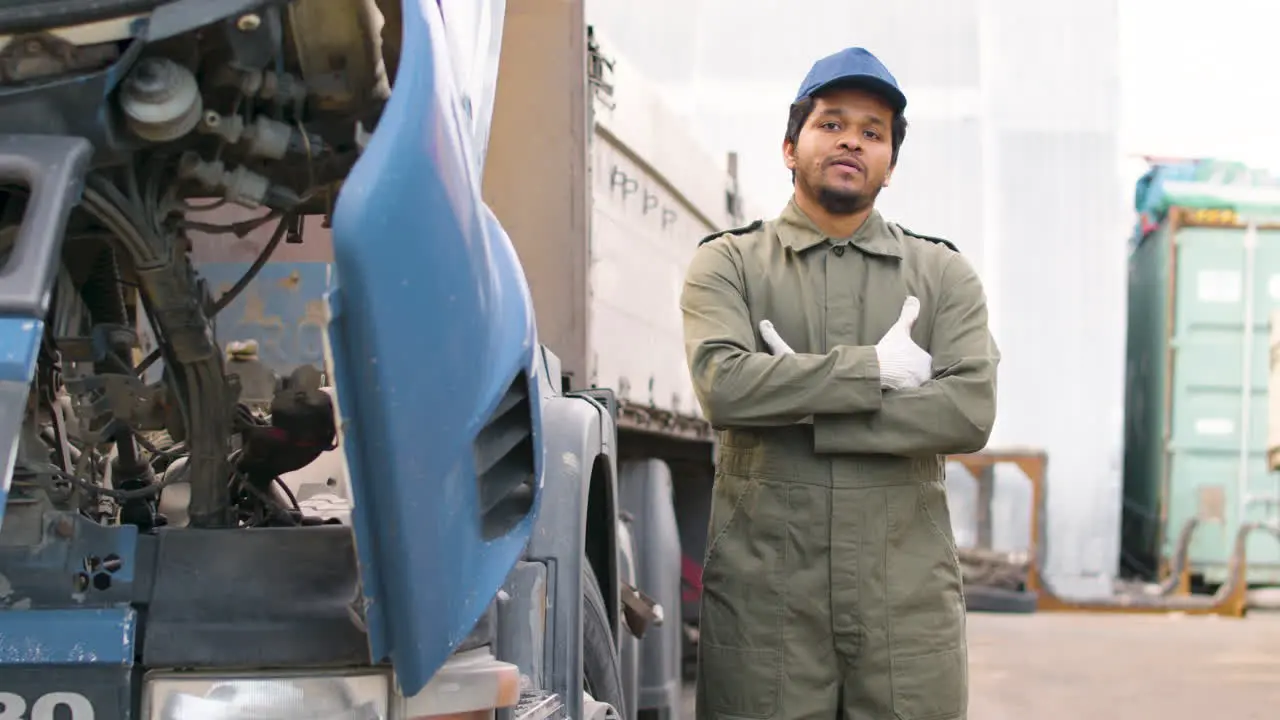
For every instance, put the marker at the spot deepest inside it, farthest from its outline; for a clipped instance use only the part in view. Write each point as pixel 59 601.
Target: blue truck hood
pixel 433 344
pixel 437 369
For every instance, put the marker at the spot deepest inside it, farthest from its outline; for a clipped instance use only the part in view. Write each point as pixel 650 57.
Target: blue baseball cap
pixel 855 66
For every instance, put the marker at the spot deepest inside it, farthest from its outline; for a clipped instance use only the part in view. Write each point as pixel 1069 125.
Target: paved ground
pixel 1109 667
pixel 1058 666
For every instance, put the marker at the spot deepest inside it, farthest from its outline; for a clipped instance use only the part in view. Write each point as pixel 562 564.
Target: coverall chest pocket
pixel 743 597
pixel 790 298
pixel 929 662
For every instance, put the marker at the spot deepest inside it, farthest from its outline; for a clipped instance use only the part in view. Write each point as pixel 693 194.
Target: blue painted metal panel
pixel 19 348
pixel 432 321
pixel 283 309
pixel 60 570
pixel 67 637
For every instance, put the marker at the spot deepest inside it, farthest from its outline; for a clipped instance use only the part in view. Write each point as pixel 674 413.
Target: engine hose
pixel 225 299
pixel 169 294
pixel 101 290
pixel 104 300
pixel 196 367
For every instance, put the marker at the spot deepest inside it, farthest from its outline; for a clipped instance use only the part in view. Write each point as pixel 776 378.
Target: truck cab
pixel 421 522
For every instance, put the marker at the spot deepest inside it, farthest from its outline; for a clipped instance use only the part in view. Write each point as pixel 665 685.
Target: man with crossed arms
pixel 840 357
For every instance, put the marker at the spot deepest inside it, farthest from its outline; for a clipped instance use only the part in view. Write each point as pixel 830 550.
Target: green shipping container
pixel 1204 276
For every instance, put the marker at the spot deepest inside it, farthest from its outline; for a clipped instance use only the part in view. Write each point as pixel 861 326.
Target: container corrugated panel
pixel 1200 297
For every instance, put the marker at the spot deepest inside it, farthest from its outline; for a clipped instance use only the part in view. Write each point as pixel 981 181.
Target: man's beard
pixel 840 202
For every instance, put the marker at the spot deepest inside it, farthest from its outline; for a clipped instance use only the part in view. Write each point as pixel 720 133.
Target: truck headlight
pixel 195 696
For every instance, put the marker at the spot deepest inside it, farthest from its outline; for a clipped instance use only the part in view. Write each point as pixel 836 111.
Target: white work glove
pixel 776 344
pixel 903 364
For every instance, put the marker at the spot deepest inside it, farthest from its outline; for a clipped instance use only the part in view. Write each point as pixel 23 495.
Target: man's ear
pixel 788 154
pixel 887 176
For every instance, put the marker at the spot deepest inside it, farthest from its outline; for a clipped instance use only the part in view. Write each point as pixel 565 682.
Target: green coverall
pixel 831 579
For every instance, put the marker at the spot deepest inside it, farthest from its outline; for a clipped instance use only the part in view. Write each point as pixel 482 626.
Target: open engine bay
pixel 187 105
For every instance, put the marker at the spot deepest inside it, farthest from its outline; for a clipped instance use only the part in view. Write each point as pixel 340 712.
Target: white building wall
pixel 1012 153
pixel 1051 97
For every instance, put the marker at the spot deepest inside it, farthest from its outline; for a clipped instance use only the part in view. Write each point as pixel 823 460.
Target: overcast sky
pixel 1199 78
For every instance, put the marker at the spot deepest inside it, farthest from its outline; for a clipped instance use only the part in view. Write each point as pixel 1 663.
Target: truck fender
pixel 577 518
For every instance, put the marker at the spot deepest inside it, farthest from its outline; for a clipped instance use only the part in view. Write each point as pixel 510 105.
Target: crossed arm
pixel 953 412
pixel 738 386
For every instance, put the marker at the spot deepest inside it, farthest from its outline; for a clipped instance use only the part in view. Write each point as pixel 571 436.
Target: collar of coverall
pixel 797 231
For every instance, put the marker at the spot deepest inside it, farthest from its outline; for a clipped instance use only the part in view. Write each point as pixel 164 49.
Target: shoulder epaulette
pixel 735 231
pixel 930 238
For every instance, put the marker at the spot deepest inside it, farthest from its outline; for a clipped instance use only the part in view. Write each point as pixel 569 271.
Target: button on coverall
pixel 830 579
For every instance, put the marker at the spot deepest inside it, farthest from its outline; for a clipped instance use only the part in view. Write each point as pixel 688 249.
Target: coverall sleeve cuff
pixel 856 378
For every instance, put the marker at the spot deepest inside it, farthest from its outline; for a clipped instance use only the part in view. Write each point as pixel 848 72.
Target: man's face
pixel 844 153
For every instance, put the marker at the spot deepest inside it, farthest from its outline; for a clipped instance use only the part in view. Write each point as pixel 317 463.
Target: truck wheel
pixel 601 671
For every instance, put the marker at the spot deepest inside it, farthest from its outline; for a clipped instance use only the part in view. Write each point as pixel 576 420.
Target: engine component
pixel 362 136
pixel 107 401
pixel 42 55
pixel 101 290
pixel 131 474
pixel 241 186
pixel 258 381
pixel 161 100
pixel 255 39
pixel 324 31
pixel 263 84
pixel 263 137
pixel 302 427
pixel 173 299
pixel 103 439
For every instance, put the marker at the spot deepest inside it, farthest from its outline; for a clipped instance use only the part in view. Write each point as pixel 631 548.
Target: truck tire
pixel 601 670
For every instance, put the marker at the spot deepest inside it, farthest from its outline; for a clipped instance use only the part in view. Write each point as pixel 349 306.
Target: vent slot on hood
pixel 504 457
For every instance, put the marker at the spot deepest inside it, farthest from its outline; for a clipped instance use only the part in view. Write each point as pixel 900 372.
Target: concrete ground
pixel 1052 666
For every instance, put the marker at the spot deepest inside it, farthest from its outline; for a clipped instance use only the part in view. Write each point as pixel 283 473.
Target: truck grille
pixel 504 458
